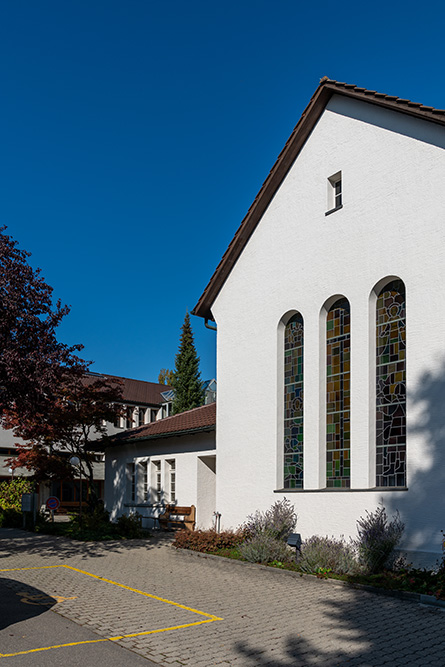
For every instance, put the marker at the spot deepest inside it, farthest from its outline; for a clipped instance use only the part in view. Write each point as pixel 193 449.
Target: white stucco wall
pixel 206 490
pixel 392 224
pixel 191 483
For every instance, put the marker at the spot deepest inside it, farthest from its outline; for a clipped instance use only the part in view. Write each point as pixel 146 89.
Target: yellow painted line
pixel 174 627
pixel 210 618
pixel 148 595
pixel 18 569
pixel 48 648
pixel 106 639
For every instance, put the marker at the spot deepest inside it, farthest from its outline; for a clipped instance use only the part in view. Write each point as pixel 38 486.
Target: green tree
pixel 165 376
pixel 189 392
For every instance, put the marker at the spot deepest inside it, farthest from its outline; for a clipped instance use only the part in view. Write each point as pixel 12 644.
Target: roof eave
pixel 278 172
pixel 155 436
pixel 309 118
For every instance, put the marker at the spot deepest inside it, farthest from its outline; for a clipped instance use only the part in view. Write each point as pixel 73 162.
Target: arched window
pixel 391 386
pixel 338 346
pixel 293 403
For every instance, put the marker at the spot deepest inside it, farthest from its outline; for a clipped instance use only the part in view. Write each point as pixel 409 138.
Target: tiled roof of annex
pixel 133 391
pixel 326 89
pixel 191 421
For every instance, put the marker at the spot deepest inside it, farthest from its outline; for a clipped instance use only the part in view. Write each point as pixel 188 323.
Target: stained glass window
pixel 391 386
pixel 338 348
pixel 293 403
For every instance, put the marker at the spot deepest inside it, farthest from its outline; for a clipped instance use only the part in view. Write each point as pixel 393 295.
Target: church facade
pixel 330 324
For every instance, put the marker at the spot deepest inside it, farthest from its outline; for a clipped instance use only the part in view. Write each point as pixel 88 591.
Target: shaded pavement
pixel 180 608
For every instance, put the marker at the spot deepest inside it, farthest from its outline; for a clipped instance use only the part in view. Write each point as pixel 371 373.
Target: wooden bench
pixel 172 516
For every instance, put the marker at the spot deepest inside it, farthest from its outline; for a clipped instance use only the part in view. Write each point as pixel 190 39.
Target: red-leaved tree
pixel 32 360
pixel 73 423
pixel 47 396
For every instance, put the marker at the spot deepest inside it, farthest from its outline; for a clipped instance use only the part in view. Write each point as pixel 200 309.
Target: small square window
pixel 335 193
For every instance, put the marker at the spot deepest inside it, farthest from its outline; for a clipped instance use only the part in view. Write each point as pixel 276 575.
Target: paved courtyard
pixel 177 608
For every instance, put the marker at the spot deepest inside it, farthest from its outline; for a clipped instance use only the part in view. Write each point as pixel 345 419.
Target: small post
pixel 75 461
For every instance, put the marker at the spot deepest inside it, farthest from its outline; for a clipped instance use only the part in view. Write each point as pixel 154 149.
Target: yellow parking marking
pixel 108 639
pixel 210 618
pixel 19 569
pixel 148 595
pixel 42 600
pixel 48 648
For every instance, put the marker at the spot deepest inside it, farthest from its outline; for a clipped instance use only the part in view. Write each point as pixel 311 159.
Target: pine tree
pixel 187 382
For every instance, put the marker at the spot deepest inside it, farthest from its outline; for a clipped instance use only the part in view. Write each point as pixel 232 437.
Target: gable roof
pixel 184 423
pixel 296 141
pixel 134 391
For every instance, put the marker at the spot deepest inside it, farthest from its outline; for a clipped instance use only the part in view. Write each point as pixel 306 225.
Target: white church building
pixel 330 313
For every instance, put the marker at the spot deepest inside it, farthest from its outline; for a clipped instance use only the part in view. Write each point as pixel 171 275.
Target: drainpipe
pixel 217 520
pixel 209 326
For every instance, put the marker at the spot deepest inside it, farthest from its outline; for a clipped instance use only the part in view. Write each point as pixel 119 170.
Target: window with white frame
pixel 171 481
pixel 335 192
pixel 156 481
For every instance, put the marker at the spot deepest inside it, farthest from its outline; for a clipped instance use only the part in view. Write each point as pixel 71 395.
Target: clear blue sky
pixel 135 135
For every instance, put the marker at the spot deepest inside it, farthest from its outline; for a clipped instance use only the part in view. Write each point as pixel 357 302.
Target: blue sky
pixel 134 136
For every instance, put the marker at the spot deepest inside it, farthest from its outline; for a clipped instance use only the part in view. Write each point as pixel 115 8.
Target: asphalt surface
pixel 27 622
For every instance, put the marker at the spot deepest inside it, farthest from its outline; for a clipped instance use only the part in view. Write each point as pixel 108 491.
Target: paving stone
pixel 270 618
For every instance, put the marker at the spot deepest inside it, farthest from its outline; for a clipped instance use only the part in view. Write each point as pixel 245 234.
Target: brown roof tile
pixel 198 419
pixel 326 89
pixel 134 391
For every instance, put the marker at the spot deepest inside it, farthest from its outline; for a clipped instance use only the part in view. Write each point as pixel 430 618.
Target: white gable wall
pixel 392 224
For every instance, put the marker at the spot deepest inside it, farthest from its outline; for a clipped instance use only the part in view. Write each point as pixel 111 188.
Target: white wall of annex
pixel 186 451
pixel 392 224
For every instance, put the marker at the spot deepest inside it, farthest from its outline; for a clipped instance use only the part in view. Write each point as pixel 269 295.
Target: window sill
pixel 334 209
pixel 374 489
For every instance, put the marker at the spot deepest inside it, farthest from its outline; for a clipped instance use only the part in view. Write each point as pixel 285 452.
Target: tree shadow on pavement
pixel 367 629
pixel 362 630
pixel 19 602
pixel 13 541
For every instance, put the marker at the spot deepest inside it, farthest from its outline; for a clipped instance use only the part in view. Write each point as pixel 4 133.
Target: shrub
pixel 320 554
pixel 377 539
pixel 263 548
pixel 11 492
pixel 277 522
pixel 207 541
pixel 93 521
pixel 11 518
pixel 129 526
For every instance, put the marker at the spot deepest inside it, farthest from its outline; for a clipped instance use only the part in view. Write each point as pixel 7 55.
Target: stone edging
pixel 401 595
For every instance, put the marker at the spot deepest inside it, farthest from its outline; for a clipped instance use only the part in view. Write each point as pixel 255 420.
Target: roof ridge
pixel 122 377
pixel 192 420
pixel 366 91
pixel 185 412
